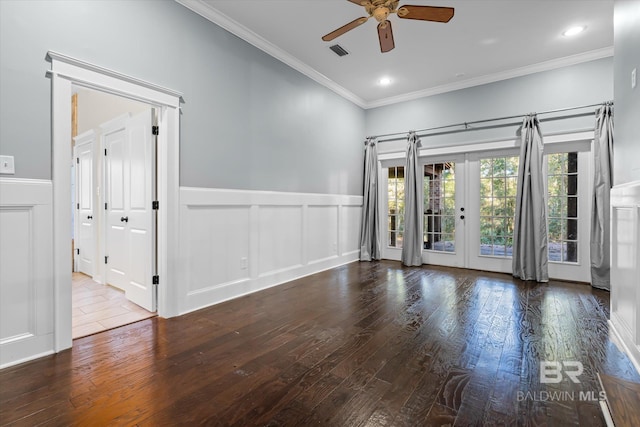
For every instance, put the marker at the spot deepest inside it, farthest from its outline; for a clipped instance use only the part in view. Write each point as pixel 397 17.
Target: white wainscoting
pixel 234 242
pixel 625 267
pixel 26 270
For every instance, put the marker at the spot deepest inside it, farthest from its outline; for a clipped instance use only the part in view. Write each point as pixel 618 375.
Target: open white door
pixel 140 227
pixel 130 192
pixel 85 230
pixel 114 139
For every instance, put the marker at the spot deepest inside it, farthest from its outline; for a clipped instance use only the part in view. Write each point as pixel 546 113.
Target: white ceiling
pixel 487 40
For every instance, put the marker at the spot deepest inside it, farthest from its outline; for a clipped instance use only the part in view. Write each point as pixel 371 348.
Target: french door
pixel 444 216
pixel 469 209
pixel 443 211
pixel 492 202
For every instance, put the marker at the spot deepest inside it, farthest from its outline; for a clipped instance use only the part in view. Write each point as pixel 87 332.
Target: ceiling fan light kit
pixel 380 11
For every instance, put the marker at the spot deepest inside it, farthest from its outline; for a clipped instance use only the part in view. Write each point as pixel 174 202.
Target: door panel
pixel 492 195
pixel 444 219
pixel 141 225
pixel 85 203
pixel 130 176
pixel 116 177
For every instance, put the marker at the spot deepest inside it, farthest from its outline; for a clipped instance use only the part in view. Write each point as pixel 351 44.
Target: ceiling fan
pixel 381 9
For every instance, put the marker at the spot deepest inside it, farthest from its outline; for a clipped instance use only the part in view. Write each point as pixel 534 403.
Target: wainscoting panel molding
pixel 625 267
pixel 234 242
pixel 26 270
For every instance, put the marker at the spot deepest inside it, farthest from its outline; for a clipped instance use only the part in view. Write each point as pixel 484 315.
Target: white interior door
pixel 116 187
pixel 130 192
pixel 85 230
pixel 140 227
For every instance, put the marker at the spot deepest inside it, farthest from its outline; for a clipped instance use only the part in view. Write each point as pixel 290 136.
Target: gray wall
pixel 626 149
pixel 249 121
pixel 582 84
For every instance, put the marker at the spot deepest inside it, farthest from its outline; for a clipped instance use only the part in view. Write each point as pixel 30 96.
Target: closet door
pixel 86 229
pixel 117 210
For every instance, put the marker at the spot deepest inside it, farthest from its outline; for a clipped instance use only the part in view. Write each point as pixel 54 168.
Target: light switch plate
pixel 7 166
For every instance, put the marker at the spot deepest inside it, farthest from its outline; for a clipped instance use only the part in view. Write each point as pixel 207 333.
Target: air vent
pixel 338 50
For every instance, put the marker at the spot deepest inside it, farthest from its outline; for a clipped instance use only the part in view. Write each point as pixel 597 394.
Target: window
pixel 562 193
pixel 498 186
pixel 395 196
pixel 439 207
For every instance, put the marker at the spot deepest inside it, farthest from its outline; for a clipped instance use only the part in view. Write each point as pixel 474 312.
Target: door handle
pixel 89 216
pixel 124 219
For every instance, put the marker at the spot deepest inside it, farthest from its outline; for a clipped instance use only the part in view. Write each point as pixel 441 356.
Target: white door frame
pixel 66 72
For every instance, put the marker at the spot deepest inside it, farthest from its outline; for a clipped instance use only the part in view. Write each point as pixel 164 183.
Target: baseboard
pixel 203 298
pixel 26 359
pixel 622 337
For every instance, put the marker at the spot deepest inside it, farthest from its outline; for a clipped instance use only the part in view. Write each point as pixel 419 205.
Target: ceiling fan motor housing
pixel 381 13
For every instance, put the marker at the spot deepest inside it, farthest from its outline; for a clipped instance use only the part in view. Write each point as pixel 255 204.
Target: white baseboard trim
pixel 622 337
pixel 203 298
pixel 26 359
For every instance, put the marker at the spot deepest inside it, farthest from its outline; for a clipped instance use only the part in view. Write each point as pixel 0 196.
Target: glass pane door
pixel 443 226
pixel 493 182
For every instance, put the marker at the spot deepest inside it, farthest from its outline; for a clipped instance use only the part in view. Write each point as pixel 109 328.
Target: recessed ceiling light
pixel 385 81
pixel 573 31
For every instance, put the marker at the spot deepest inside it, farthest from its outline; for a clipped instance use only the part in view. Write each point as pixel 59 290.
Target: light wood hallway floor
pixel 97 307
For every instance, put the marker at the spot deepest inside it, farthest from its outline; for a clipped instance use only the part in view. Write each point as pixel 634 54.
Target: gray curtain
pixel 370 224
pixel 530 256
pixel 413 209
pixel 602 181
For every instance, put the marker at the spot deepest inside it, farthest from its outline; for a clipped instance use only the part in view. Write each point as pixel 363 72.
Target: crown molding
pixel 208 12
pixel 203 9
pixel 495 77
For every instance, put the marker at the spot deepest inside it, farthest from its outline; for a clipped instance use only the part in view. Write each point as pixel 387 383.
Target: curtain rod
pixel 467 124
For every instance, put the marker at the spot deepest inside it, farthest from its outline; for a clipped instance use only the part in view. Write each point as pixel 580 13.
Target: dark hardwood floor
pixel 366 344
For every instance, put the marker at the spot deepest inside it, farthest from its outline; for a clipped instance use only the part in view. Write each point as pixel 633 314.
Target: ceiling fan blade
pixel 340 31
pixel 385 34
pixel 426 13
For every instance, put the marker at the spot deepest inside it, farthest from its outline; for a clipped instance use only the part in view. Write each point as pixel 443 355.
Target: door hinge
pixel 77 251
pixel 155 130
pixel 77 205
pixel 156 280
pixel 155 205
pixel 78 160
pixel 106 259
pixel 105 151
pixel 105 206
